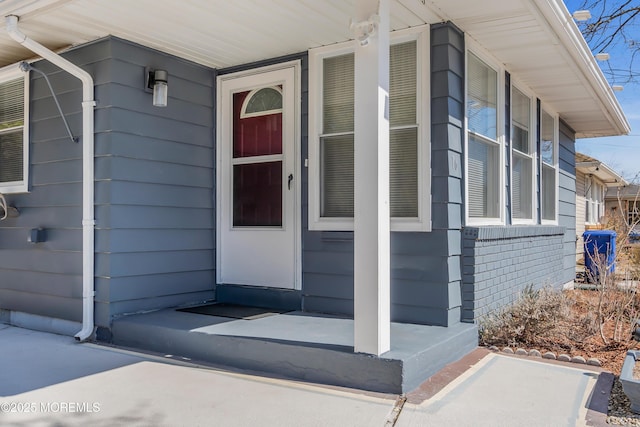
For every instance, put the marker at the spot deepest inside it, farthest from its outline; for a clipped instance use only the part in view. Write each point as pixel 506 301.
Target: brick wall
pixel 498 262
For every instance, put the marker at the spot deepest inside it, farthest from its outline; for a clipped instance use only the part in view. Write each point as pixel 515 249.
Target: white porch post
pixel 371 187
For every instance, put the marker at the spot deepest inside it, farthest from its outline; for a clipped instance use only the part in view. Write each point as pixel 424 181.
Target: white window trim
pixel 594 196
pixel 556 154
pixel 475 49
pixel 9 73
pixel 423 221
pixel 588 195
pixel 532 150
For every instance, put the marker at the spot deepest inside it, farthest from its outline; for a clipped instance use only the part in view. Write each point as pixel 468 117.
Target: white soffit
pixel 218 33
pixel 540 45
pixel 535 39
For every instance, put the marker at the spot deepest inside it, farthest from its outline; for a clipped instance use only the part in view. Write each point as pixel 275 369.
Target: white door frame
pixel 297 181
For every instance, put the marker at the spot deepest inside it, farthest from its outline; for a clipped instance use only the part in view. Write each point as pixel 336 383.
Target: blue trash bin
pixel 599 245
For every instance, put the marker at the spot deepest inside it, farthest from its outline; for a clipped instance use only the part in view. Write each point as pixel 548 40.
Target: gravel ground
pixel 620 409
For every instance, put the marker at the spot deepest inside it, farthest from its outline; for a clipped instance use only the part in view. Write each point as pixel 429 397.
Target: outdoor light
pixel 157 82
pixel 581 15
pixel 363 30
pixel 602 56
pixel 617 88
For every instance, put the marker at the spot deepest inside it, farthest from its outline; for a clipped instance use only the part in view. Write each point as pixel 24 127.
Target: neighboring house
pixel 593 180
pixel 267 179
pixel 624 201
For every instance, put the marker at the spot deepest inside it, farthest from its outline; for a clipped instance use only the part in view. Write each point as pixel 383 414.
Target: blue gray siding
pixel 46 278
pixel 425 267
pixel 154 190
pixel 155 213
pixel 567 203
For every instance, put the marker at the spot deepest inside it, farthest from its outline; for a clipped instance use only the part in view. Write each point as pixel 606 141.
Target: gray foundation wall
pixel 499 262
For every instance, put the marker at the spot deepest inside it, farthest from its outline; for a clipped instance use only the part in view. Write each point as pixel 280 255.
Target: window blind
pixel 337 94
pixel 521 187
pixel 11 130
pixel 482 95
pixel 403 173
pixel 336 157
pixel 521 121
pixel 483 179
pixel 11 104
pixel 336 154
pixel 11 156
pixel 548 207
pixel 402 84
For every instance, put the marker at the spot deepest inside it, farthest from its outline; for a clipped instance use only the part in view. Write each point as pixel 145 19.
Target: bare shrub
pixel 531 316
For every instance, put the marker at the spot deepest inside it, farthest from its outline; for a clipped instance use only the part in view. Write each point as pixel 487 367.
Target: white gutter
pixel 558 17
pixel 88 221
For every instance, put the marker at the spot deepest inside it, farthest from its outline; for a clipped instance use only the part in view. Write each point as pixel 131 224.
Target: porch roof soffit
pixel 592 166
pixel 536 40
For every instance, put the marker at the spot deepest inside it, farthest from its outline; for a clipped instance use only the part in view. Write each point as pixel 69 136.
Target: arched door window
pixel 262 102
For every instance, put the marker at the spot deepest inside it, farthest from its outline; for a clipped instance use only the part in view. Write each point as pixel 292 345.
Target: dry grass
pixel 564 322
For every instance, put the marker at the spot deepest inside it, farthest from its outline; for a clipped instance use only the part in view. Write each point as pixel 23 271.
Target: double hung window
pixel 548 165
pixel 13 131
pixel 332 152
pixel 483 144
pixel 521 157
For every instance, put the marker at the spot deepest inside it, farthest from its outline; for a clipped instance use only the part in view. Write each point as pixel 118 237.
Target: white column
pixel 371 187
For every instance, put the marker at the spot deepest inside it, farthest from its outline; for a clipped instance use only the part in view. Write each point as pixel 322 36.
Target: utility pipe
pixel 88 221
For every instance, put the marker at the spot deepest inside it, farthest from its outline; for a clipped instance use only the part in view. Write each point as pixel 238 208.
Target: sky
pixel 621 153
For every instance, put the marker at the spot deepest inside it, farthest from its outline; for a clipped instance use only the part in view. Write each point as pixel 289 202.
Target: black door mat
pixel 233 311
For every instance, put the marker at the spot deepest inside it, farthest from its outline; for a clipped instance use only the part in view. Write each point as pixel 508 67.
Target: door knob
pixel 289 181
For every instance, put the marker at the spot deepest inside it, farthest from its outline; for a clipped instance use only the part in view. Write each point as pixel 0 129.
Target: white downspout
pixel 88 221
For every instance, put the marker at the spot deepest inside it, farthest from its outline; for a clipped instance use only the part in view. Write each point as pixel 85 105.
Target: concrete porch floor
pixel 306 346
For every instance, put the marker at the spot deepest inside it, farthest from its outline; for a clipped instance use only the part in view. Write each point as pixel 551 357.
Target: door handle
pixel 289 181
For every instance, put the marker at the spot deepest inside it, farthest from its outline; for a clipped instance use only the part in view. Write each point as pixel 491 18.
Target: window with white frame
pixel 521 156
pixel 331 158
pixel 594 200
pixel 484 195
pixel 633 212
pixel 13 131
pixel 548 166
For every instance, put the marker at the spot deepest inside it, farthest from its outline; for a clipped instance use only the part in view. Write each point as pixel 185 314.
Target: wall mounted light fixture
pixel 156 81
pixel 363 30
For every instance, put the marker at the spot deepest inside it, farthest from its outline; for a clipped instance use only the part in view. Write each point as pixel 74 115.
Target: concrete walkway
pixel 49 380
pixel 506 391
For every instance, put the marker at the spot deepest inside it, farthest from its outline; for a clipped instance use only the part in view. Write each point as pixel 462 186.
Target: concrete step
pixel 305 346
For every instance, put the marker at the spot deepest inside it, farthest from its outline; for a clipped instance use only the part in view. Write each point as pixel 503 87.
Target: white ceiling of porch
pixel 529 36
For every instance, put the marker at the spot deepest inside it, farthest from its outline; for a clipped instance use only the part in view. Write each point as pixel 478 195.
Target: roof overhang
pixel 594 167
pixel 603 172
pixel 536 40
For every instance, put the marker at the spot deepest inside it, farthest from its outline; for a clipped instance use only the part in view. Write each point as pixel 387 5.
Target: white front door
pixel 257 179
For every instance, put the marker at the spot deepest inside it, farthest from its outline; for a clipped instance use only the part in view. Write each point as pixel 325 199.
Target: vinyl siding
pixel 46 278
pixel 154 195
pixel 425 267
pixel 567 203
pixel 154 168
